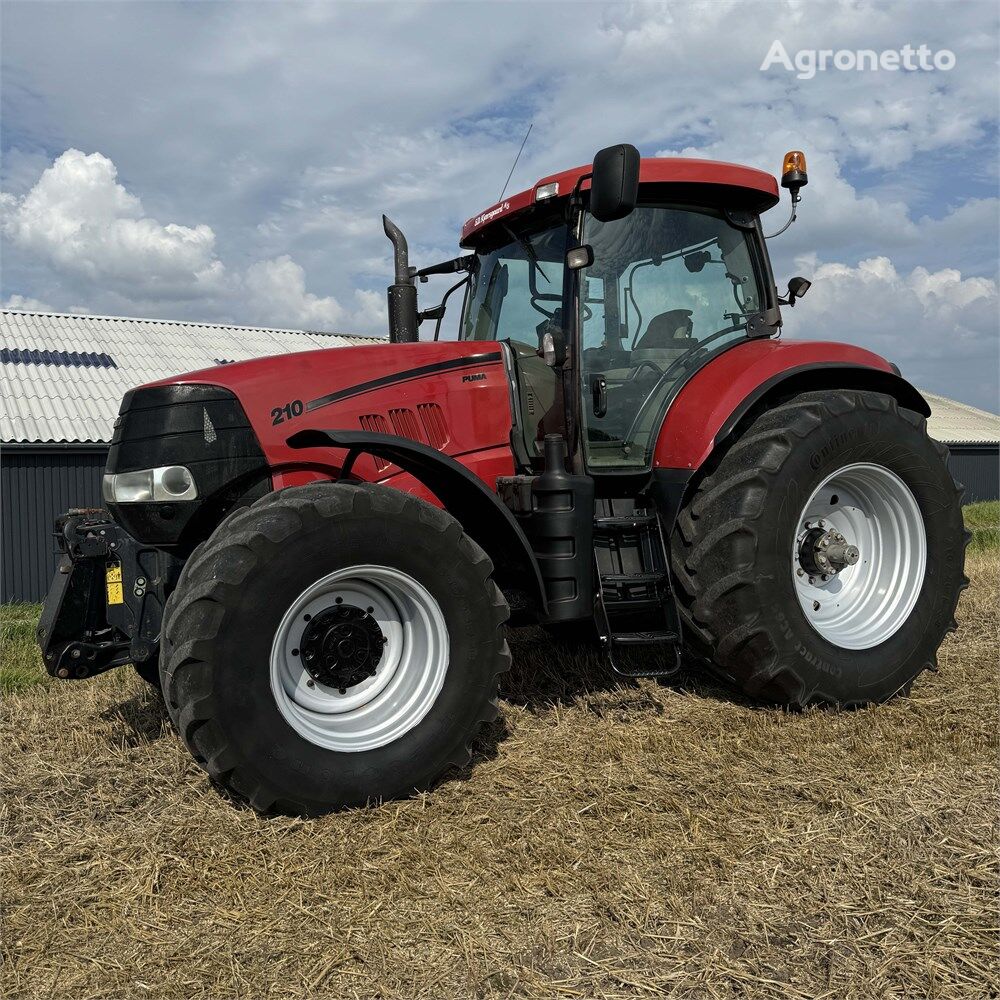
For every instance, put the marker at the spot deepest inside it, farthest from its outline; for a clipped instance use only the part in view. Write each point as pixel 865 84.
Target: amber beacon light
pixel 793 171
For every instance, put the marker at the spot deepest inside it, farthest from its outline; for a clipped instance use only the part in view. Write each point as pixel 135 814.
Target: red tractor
pixel 315 555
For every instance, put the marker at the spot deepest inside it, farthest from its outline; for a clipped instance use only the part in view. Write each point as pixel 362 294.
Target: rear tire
pixel 746 602
pixel 409 688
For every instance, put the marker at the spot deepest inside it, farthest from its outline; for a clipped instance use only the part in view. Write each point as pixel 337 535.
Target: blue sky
pixel 230 161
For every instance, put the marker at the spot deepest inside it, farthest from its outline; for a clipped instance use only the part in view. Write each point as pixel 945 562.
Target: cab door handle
pixel 599 390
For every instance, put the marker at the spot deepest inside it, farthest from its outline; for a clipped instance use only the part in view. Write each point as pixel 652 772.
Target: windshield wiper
pixel 529 250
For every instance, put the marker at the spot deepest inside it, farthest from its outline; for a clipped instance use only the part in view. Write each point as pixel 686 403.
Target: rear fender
pixel 710 407
pixel 483 516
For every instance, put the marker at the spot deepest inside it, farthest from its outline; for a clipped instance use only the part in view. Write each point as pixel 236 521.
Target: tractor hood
pixel 229 426
pixel 313 383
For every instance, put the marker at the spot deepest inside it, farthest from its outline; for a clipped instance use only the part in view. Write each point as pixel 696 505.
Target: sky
pixel 229 162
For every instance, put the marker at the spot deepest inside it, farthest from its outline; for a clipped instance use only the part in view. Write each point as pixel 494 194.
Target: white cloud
pixel 940 328
pixel 25 304
pixel 80 219
pixel 276 291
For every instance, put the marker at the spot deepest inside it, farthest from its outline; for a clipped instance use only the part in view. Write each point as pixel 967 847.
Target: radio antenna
pixel 516 158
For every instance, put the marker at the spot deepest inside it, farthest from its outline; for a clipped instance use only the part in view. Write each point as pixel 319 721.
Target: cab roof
pixel 755 187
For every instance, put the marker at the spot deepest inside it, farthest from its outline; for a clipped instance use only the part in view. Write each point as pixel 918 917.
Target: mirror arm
pixel 466 263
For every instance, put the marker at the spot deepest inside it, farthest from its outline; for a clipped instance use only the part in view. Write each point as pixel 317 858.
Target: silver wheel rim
pixel 863 604
pixel 408 676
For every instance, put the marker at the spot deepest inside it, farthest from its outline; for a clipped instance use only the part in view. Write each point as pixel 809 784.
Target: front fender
pixel 710 406
pixel 483 516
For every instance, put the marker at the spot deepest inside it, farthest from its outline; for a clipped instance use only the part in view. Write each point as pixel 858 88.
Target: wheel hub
pixel 859 556
pixel 824 552
pixel 342 646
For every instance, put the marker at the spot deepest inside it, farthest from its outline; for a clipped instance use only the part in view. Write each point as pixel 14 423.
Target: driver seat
pixel 667 337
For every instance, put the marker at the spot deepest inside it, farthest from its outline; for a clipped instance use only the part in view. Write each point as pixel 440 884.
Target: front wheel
pixel 333 645
pixel 822 559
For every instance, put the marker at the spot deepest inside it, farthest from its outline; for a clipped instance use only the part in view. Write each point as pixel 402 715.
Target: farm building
pixel 973 438
pixel 62 379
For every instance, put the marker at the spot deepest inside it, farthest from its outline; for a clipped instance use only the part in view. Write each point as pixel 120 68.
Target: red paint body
pixel 466 418
pixel 711 395
pixel 652 170
pixel 472 420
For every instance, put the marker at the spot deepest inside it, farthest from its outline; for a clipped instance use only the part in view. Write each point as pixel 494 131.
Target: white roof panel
pixel 958 423
pixel 55 398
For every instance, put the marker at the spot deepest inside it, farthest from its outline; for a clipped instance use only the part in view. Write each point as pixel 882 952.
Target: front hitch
pixel 105 605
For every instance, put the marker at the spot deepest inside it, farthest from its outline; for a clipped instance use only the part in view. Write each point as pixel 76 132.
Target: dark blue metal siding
pixel 977 467
pixel 36 486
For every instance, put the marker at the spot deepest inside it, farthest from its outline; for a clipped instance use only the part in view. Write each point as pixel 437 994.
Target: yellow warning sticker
pixel 114 581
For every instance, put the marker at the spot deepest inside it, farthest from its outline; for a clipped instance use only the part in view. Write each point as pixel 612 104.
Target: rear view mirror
pixel 614 185
pixel 580 257
pixel 551 343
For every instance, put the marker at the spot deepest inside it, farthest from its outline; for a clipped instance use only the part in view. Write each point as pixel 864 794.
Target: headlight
pixel 168 482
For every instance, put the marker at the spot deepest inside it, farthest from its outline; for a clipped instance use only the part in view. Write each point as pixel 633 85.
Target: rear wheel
pixel 821 561
pixel 333 645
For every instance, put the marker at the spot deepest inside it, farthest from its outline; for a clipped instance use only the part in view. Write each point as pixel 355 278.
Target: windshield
pixel 516 286
pixel 668 286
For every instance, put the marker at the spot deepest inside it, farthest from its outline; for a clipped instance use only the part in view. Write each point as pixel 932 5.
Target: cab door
pixel 671 286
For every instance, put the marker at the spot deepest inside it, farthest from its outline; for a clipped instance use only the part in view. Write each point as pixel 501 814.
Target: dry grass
pixel 620 841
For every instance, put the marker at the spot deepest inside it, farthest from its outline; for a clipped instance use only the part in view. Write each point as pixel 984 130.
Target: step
pixel 633 604
pixel 633 578
pixel 643 638
pixel 626 521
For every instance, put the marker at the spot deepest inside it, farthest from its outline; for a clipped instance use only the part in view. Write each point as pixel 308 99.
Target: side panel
pixel 717 391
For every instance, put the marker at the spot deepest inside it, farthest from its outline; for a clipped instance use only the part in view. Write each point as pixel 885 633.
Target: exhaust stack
pixel 402 294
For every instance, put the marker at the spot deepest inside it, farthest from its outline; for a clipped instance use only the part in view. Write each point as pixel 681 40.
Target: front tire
pixel 333 645
pixel 758 597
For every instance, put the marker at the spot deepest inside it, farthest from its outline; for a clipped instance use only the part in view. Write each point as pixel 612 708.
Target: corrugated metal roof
pixel 958 423
pixel 54 398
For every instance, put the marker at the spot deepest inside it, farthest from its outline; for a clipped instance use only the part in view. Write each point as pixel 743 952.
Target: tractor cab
pixel 612 285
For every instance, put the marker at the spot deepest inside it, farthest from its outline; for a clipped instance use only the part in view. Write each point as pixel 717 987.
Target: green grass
pixel 21 665
pixel 20 661
pixel 983 520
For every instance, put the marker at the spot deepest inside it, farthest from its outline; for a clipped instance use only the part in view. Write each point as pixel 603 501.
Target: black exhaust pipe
pixel 403 292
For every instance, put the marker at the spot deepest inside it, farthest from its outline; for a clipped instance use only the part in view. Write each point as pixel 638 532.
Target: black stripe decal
pixel 469 361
